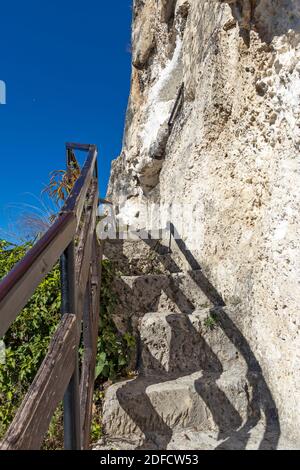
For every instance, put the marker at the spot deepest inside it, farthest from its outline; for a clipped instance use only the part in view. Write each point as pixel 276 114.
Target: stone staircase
pixel 198 385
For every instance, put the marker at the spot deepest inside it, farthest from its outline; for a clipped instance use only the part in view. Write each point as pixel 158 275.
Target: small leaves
pixel 28 338
pixel 211 321
pixel 62 181
pixel 114 349
pixel 101 363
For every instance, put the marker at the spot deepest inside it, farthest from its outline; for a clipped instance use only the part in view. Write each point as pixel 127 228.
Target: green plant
pixel 10 254
pixel 28 338
pixel 114 349
pixel 62 181
pixel 211 321
pixel 96 431
pixel 55 435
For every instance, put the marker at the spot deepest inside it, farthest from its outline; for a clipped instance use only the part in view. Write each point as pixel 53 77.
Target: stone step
pixel 177 292
pixel 176 343
pixel 257 438
pixel 188 439
pixel 139 410
pixel 198 377
pixel 137 257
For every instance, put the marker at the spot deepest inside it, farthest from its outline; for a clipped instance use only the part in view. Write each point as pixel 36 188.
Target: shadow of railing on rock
pixel 231 430
pixel 157 427
pixel 262 399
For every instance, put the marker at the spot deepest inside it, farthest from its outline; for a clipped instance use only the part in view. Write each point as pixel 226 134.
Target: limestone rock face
pixel 231 156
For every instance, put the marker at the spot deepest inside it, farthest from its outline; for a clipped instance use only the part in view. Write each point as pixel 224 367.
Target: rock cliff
pixel 213 125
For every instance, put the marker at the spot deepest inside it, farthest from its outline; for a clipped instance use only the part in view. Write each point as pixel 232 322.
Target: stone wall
pixel 232 157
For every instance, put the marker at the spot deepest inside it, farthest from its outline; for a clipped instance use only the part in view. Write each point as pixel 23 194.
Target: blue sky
pixel 66 65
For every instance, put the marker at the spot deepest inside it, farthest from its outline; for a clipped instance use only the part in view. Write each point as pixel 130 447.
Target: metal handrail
pixel 177 107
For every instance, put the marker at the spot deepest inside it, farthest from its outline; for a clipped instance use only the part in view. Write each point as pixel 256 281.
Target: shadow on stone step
pixel 199 278
pixel 134 400
pixel 136 298
pixel 143 413
pixel 262 400
pixel 224 414
pixel 135 258
pixel 226 417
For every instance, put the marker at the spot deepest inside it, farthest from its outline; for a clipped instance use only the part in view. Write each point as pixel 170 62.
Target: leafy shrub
pixel 114 350
pixel 28 339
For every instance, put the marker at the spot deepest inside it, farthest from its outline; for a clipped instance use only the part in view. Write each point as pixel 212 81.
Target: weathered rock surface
pixel 194 377
pixel 188 439
pixel 143 408
pixel 176 343
pixel 138 257
pixel 138 295
pixel 231 156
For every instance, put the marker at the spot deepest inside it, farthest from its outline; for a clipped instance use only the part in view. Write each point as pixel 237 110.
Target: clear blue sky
pixel 66 65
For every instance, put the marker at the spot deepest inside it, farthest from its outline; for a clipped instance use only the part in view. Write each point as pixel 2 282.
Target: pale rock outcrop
pixel 232 155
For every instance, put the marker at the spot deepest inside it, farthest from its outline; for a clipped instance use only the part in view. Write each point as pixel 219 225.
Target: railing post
pixel 72 431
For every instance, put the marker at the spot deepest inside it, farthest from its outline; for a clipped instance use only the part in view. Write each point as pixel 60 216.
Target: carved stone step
pixel 198 377
pixel 177 292
pixel 189 439
pixel 137 257
pixel 141 409
pixel 176 343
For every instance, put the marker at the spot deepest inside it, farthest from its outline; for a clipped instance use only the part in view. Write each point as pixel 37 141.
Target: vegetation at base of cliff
pixel 28 339
pixel 114 350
